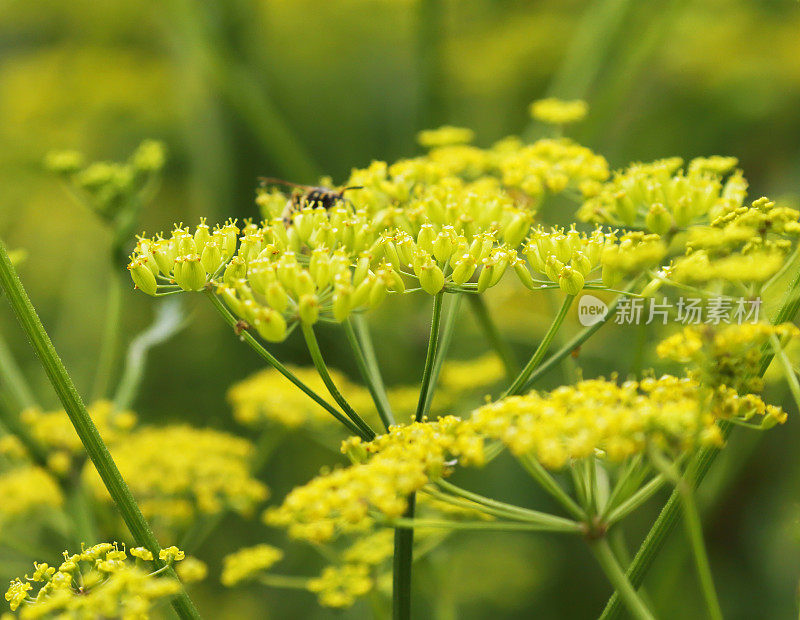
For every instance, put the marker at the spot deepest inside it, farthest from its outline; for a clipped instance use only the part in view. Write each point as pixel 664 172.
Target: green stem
pixel 12 379
pixel 492 333
pixel 567 527
pixel 577 340
pixel 370 373
pixel 608 562
pixel 635 500
pixel 273 361
pixel 694 529
pixel 322 369
pixel 445 337
pixel 110 340
pixel 669 514
pixel 430 357
pixel 82 422
pixel 522 379
pixel 788 371
pixel 549 484
pixel 508 512
pixel 403 536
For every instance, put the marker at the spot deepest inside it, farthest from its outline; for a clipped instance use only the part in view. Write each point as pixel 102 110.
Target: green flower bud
pixel 231 299
pixel 164 255
pixel 270 325
pixel 143 277
pixel 658 219
pixel 610 276
pixel 486 275
pixel 463 268
pixel 201 236
pixel 524 275
pixel 304 284
pixel 562 248
pixel 192 275
pixel 378 293
pixel 236 270
pixel 286 269
pixel 230 234
pixel 308 309
pixel 341 303
pixel 426 237
pixel 276 296
pixel 320 267
pixel 361 270
pixel 580 262
pixel 361 293
pixel 303 225
pixel 517 228
pixel 552 268
pixel 211 258
pixel 431 278
pixel 443 247
pixel 571 281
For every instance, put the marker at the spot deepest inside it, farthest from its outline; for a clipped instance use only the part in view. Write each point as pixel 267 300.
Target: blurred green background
pixel 304 88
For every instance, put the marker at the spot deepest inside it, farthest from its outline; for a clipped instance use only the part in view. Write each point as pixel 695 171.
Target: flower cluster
pixel 54 430
pixel 661 196
pixel 248 562
pixel 386 471
pixel 108 187
pixel 742 244
pixel 26 489
pixel 178 472
pixel 558 112
pixel 103 581
pixel 729 357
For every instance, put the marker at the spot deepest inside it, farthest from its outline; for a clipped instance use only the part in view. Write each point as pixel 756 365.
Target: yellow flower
pixel 26 489
pixel 339 586
pixel 558 112
pixel 248 562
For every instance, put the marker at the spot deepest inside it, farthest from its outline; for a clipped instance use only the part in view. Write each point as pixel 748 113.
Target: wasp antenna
pixel 264 181
pixel 353 187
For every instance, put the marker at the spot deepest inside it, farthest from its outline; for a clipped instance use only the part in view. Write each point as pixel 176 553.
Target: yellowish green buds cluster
pixel 99 582
pixel 445 136
pixel 109 188
pixel 249 562
pixel 26 490
pixel 727 356
pixel 558 111
pixel 661 197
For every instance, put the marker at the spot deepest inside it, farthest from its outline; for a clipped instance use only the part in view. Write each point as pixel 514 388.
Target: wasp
pixel 307 195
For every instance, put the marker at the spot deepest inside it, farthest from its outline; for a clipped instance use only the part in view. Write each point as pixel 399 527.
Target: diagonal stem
pixel 322 369
pixel 273 361
pixel 370 373
pixel 522 379
pixel 82 422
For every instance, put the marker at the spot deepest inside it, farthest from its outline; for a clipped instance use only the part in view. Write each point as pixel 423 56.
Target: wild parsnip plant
pixel 546 217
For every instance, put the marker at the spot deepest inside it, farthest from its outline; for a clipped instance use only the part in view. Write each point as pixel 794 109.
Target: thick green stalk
pixel 634 501
pixel 493 335
pixel 82 422
pixel 404 536
pixel 273 361
pixel 667 519
pixel 370 373
pixel 608 562
pixel 322 369
pixel 522 379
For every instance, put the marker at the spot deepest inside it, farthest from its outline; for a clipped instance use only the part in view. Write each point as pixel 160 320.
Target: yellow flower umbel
pixel 728 356
pixel 99 582
pixel 387 470
pixel 178 473
pixel 558 111
pixel 248 563
pixel 25 490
